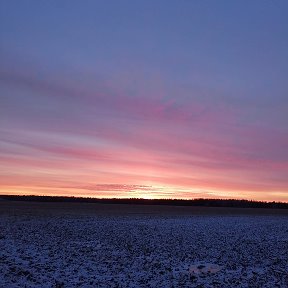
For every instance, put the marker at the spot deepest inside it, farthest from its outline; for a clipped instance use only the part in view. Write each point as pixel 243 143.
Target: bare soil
pixel 55 208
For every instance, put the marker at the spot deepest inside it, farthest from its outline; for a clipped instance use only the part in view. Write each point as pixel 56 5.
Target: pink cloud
pixel 105 135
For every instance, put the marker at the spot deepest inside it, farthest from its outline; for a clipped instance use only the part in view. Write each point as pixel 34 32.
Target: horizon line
pixel 144 199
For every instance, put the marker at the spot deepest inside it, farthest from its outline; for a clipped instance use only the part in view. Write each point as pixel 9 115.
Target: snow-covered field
pixel 143 251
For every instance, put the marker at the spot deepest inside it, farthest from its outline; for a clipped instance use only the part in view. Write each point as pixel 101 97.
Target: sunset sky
pixel 151 99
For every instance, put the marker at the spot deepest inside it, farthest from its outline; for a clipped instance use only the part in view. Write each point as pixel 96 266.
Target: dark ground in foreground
pixel 53 245
pixel 54 208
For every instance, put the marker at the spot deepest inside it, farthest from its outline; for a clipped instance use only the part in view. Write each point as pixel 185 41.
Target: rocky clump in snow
pixel 206 268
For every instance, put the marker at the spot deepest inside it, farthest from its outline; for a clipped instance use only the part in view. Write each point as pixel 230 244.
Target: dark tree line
pixel 140 201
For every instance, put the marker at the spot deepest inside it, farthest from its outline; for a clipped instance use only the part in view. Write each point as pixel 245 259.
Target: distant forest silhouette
pixel 140 201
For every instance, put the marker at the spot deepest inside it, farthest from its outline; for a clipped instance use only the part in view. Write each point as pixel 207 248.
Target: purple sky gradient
pixel 144 99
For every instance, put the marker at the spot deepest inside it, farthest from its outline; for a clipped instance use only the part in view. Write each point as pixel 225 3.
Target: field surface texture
pixel 81 245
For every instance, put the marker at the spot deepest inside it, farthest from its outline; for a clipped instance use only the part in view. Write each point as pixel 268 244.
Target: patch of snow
pixel 143 251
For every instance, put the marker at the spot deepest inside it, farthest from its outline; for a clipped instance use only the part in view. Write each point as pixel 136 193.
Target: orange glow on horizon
pixel 159 192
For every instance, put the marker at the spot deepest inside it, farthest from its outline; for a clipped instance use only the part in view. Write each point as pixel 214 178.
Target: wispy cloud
pixel 58 130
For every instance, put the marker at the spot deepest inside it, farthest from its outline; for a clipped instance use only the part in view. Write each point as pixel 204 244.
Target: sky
pixel 151 99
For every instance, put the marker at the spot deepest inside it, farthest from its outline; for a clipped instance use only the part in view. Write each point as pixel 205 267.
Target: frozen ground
pixel 142 250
